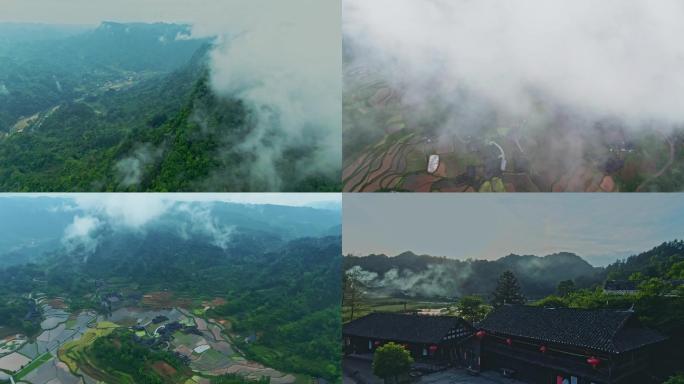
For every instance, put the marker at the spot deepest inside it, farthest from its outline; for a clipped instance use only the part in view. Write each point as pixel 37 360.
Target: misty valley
pixel 139 290
pixel 463 144
pixel 143 107
pixel 459 96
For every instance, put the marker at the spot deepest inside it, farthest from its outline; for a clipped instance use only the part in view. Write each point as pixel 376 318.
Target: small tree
pixel 676 379
pixel 507 291
pixel 471 308
pixel 352 291
pixel 391 361
pixel 565 287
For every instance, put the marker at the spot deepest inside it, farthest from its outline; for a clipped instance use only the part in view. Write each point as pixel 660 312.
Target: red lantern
pixel 509 341
pixel 433 348
pixel 542 349
pixel 480 334
pixel 593 361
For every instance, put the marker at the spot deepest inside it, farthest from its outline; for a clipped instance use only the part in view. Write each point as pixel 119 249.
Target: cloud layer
pixel 609 58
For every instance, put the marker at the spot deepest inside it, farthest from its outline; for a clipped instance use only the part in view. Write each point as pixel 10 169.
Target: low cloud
pixel 80 235
pixel 131 169
pixel 202 221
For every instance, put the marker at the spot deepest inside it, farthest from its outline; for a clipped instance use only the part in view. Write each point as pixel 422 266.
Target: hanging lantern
pixel 480 334
pixel 433 348
pixel 509 341
pixel 594 361
pixel 542 349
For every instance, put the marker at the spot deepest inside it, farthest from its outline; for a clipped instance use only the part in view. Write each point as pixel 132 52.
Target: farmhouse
pixel 621 287
pixel 431 339
pixel 433 163
pixel 565 345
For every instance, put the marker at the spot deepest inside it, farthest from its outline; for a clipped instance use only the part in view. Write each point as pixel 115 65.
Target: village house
pixel 529 344
pixel 565 345
pixel 621 287
pixel 434 340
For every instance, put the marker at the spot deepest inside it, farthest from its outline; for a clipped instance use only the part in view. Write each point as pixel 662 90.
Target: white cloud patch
pixel 80 235
pixel 200 220
pixel 131 211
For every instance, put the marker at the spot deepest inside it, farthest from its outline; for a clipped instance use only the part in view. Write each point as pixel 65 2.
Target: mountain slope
pixel 429 276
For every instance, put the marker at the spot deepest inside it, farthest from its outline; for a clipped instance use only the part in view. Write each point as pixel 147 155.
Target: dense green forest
pixel 129 107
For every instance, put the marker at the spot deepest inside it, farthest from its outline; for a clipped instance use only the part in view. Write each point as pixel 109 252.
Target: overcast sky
pixel 598 227
pixel 95 11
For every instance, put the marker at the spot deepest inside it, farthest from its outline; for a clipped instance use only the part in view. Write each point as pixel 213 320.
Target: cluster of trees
pixel 237 379
pixel 118 352
pixel 13 313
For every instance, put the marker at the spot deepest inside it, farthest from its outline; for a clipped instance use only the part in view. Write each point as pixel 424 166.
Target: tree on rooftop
pixel 471 308
pixel 391 361
pixel 507 291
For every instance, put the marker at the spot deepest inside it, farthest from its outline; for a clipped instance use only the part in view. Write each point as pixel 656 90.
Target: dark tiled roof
pixel 601 329
pixel 630 338
pixel 402 327
pixel 620 285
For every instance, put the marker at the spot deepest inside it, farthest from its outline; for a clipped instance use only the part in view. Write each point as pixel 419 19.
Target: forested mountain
pixel 130 107
pixel 275 268
pixel 656 262
pixel 429 276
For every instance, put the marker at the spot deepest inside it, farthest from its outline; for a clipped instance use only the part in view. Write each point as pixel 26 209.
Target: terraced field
pixel 388 149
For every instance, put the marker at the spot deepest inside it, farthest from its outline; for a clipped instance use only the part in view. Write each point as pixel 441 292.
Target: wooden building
pixel 429 338
pixel 565 345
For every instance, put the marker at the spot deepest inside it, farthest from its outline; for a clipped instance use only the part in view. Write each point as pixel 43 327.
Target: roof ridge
pixel 630 314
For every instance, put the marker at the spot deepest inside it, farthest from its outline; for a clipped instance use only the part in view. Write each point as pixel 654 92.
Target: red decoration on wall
pixel 509 341
pixel 542 349
pixel 594 361
pixel 433 348
pixel 480 334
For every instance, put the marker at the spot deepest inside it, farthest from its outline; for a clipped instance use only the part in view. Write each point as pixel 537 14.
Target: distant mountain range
pixel 408 274
pixel 33 228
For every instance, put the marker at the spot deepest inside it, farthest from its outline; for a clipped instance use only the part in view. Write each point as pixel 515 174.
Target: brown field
pixel 164 369
pixel 57 303
pixel 419 182
pixel 607 184
pixel 164 299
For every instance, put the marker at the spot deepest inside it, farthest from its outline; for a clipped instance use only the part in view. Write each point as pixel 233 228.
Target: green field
pixel 33 365
pixel 369 305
